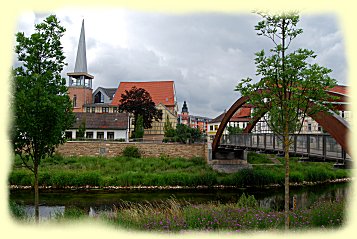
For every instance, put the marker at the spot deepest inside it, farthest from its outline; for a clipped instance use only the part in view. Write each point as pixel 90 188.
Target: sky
pixel 205 54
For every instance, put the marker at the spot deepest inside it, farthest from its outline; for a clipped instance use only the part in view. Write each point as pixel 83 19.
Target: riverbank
pixel 167 173
pixel 88 187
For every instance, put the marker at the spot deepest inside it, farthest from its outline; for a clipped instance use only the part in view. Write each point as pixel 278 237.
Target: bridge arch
pixel 335 125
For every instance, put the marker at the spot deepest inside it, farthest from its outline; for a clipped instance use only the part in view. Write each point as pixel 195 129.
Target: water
pixel 95 201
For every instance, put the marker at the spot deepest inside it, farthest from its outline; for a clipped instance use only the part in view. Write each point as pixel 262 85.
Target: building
pixel 240 119
pixel 193 121
pixel 163 95
pixel 113 126
pixel 310 126
pixel 90 107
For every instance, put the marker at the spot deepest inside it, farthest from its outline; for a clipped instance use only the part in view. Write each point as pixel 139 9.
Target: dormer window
pixel 99 98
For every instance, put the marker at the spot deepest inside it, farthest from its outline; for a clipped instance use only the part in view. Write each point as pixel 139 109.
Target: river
pixel 94 201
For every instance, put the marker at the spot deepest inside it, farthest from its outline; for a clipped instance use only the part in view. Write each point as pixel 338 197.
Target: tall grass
pixel 242 216
pixel 163 171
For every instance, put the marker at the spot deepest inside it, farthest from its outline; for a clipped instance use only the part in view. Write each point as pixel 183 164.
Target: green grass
pixel 163 171
pixel 239 217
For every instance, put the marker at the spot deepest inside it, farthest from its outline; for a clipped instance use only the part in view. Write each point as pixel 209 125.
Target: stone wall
pixel 112 149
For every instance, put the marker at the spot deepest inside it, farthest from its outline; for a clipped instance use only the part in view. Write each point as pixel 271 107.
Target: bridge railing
pixel 317 145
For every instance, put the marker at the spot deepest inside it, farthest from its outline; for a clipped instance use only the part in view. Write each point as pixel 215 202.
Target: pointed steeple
pixel 80 76
pixel 81 60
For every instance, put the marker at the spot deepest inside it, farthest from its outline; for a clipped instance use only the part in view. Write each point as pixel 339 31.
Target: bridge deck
pixel 321 146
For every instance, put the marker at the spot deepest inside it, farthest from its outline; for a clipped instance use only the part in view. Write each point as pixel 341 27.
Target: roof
pixel 110 92
pixel 243 114
pixel 342 89
pixel 160 91
pixel 101 121
pixel 81 60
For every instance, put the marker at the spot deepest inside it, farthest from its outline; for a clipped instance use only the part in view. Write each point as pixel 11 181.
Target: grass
pixel 172 216
pixel 163 171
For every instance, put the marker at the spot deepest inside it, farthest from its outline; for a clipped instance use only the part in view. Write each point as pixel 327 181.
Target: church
pixel 98 110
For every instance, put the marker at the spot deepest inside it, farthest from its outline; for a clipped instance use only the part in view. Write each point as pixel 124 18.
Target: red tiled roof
pixel 342 89
pixel 160 91
pixel 242 115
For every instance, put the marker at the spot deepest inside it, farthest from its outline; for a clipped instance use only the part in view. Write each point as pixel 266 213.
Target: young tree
pixel 139 102
pixel 139 128
pixel 169 131
pixel 42 110
pixel 290 86
pixel 81 130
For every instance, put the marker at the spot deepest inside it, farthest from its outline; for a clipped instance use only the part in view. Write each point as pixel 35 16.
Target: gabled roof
pixel 243 114
pixel 110 92
pixel 160 91
pixel 101 121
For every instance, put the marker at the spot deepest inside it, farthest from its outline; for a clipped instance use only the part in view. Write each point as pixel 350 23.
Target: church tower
pixel 80 82
pixel 184 114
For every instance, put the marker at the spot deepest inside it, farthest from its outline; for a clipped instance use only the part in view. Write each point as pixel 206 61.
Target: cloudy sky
pixel 206 54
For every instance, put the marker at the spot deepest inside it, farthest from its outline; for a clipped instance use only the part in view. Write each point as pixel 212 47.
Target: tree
pixel 290 87
pixel 42 109
pixel 139 128
pixel 234 130
pixel 169 131
pixel 139 102
pixel 81 130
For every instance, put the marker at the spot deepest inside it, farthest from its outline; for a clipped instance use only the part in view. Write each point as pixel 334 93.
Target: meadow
pixel 60 172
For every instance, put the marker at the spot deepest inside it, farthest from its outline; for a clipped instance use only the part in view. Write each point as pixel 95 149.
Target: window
pixel 309 127
pixel 115 109
pixel 68 134
pixel 319 128
pixel 93 109
pixel 89 135
pixel 105 109
pixel 343 114
pixel 110 135
pixel 211 127
pixel 215 127
pixel 88 109
pixel 100 135
pixel 99 98
pixel 74 101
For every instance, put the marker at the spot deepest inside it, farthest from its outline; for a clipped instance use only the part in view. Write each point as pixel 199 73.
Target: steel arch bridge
pixel 332 123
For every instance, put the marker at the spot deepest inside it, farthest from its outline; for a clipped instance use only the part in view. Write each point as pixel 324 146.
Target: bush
pixel 17 210
pixel 131 152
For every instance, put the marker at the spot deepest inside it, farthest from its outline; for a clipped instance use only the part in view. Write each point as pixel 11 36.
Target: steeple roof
pixel 81 60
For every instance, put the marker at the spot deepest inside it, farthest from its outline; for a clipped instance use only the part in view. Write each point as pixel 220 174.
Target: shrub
pixel 131 152
pixel 17 210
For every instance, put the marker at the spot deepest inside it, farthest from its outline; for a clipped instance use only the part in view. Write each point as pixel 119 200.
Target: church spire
pixel 81 60
pixel 80 76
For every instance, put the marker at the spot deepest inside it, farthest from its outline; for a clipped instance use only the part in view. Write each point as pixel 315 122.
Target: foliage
pixel 81 130
pixel 255 158
pixel 139 128
pixel 234 130
pixel 247 201
pixel 173 216
pixel 17 210
pixel 290 86
pixel 139 102
pixel 42 110
pixel 169 131
pixel 164 171
pixel 132 152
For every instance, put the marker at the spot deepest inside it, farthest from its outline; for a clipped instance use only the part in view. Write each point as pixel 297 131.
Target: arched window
pixel 74 101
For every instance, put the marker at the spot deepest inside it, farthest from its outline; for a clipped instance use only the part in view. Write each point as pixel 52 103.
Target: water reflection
pixel 95 201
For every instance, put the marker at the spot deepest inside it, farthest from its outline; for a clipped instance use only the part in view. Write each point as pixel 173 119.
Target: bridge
pixel 321 147
pixel 329 146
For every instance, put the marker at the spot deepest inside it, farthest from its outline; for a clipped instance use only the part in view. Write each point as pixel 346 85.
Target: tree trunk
pixel 37 210
pixel 287 170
